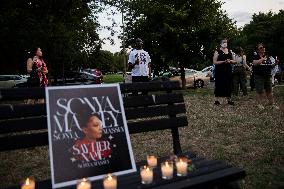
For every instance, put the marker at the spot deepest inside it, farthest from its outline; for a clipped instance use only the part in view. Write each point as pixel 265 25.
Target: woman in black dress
pixel 223 60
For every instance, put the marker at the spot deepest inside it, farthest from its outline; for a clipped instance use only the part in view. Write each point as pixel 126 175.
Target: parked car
pixel 193 78
pixel 10 81
pixel 97 75
pixel 209 72
pixel 76 78
pixel 172 71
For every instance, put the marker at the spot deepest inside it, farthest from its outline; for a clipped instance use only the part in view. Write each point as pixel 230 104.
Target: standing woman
pixel 239 72
pixel 37 69
pixel 223 60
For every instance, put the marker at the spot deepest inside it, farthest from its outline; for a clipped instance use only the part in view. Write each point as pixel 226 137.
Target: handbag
pixel 33 80
pixel 239 68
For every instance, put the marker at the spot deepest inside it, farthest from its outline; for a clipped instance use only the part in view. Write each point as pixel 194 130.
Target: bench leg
pixel 176 143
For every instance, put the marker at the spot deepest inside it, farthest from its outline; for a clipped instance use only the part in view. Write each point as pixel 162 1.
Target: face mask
pixel 224 45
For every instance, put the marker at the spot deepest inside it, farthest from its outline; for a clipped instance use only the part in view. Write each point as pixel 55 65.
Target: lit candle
pixel 84 184
pixel 110 182
pixel 28 184
pixel 181 165
pixel 167 170
pixel 152 161
pixel 146 175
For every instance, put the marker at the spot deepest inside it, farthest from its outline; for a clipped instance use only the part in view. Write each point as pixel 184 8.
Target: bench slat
pixel 154 125
pixel 150 86
pixel 23 141
pixel 208 173
pixel 22 93
pixel 27 110
pixel 144 112
pixel 40 139
pixel 149 100
pixel 40 122
pixel 218 177
pixel 21 110
pixel 25 124
pixel 37 92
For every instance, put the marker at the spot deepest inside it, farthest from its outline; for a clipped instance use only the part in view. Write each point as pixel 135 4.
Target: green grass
pixel 113 78
pixel 241 135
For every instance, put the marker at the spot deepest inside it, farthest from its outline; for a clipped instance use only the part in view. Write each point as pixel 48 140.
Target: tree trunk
pixel 182 77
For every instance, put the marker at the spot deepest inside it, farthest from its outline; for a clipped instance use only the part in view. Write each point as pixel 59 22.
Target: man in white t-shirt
pixel 139 61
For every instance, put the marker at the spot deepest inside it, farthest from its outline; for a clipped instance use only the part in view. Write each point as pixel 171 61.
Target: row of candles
pixel 167 168
pixel 146 173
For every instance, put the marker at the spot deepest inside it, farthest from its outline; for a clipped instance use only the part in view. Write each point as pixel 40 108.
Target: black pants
pixel 239 81
pixel 252 84
pixel 140 79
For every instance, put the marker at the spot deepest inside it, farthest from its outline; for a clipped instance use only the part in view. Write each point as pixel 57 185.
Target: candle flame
pixel 167 164
pixel 109 176
pixel 27 181
pixel 83 182
pixel 181 161
pixel 147 169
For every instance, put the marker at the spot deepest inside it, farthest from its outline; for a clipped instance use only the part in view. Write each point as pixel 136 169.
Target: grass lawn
pixel 242 135
pixel 113 78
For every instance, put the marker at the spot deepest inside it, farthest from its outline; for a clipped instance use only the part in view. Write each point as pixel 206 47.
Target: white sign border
pixel 73 182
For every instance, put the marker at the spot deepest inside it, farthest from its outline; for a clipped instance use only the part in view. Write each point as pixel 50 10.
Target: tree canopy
pixel 178 33
pixel 266 28
pixel 184 31
pixel 64 29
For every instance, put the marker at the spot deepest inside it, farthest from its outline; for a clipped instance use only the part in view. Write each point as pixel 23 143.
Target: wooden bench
pixel 25 126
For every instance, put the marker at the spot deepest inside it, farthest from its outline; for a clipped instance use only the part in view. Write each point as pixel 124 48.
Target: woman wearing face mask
pixel 223 60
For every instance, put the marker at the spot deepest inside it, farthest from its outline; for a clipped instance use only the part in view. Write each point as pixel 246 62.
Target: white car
pixel 209 72
pixel 10 81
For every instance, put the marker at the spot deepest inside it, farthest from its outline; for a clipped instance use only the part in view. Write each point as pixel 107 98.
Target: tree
pixel 266 28
pixel 64 29
pixel 183 32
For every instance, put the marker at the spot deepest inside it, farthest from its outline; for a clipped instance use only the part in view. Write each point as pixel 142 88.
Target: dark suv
pixel 77 78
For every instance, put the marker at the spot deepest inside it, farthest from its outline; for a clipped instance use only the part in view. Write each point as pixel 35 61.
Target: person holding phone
pixel 262 66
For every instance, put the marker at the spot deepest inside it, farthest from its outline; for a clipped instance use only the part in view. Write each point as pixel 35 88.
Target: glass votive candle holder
pixel 146 174
pixel 110 181
pixel 29 183
pixel 181 165
pixel 152 161
pixel 167 169
pixel 84 184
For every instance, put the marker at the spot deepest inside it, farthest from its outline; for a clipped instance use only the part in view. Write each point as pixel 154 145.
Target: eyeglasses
pixel 260 48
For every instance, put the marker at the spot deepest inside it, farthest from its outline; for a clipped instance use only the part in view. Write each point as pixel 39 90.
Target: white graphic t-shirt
pixel 144 59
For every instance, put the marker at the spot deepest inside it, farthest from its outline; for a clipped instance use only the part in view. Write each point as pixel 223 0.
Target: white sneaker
pixel 260 106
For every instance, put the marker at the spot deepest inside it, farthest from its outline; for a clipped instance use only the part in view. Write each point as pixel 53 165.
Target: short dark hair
pixel 239 50
pixel 222 38
pixel 138 40
pixel 257 46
